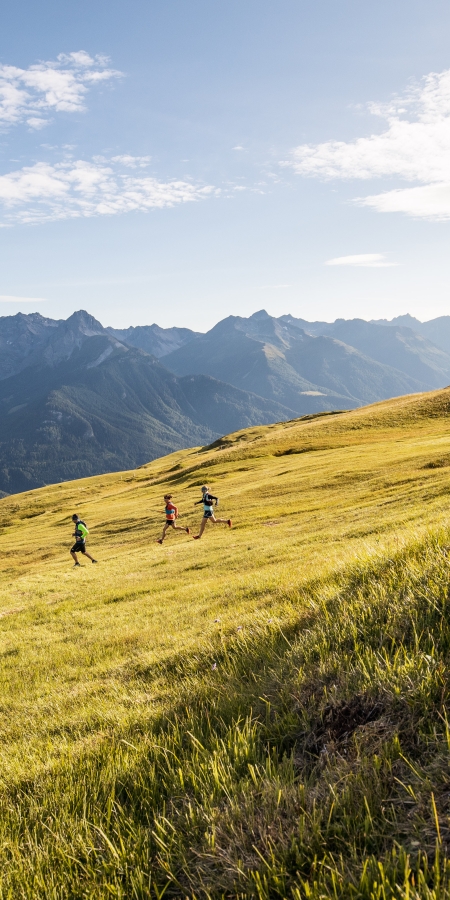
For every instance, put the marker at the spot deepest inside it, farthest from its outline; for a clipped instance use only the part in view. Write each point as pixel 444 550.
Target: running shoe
pixel 188 530
pixel 229 523
pixel 159 542
pixel 76 564
pixel 196 537
pixel 95 560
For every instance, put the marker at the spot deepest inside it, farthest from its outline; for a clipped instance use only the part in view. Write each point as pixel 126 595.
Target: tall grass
pixel 261 714
pixel 303 761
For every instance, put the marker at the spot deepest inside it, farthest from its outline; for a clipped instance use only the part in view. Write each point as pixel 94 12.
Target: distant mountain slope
pixel 107 406
pixel 79 399
pixel 21 336
pixel 404 343
pixel 397 346
pixel 340 367
pixel 153 339
pixel 27 340
pixel 314 328
pixel 419 349
pixel 435 330
pixel 250 354
pixel 277 359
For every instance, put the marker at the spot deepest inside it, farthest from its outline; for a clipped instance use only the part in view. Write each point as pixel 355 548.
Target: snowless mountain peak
pixel 85 323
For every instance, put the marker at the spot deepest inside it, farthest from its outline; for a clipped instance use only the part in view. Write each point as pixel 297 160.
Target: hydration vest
pixel 79 534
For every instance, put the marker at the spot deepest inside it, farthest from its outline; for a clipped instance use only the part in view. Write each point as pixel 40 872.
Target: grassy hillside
pixel 259 714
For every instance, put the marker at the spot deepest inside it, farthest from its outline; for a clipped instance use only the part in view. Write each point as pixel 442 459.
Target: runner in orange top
pixel 171 516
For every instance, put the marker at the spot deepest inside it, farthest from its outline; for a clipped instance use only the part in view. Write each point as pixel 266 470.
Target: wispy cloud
pixel 415 146
pixel 132 162
pixel 32 95
pixel 429 201
pixel 71 189
pixel 365 260
pixel 6 298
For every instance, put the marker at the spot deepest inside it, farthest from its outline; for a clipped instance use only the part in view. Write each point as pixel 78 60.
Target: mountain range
pixel 436 330
pixel 311 367
pixel 78 399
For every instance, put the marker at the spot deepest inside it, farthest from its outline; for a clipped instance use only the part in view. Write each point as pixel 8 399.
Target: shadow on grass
pixel 304 759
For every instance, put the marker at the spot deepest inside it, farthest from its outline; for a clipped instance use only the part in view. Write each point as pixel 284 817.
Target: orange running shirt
pixel 171 512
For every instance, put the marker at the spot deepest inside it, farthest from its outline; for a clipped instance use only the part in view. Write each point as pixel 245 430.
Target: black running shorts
pixel 79 547
pixel 207 514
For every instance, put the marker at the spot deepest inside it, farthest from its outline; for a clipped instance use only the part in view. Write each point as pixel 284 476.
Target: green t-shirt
pixel 80 531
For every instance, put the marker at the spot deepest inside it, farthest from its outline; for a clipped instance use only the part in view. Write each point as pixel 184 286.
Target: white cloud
pixel 429 201
pixel 366 260
pixel 6 298
pixel 36 123
pixel 81 58
pixel 415 147
pixel 82 188
pixel 55 86
pixel 132 162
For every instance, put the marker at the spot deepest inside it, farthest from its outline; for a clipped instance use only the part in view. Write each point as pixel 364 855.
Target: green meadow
pixel 259 714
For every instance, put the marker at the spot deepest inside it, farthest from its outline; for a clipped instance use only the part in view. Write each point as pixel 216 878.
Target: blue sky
pixel 179 162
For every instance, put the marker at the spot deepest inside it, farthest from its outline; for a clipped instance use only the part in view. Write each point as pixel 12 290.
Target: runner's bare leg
pixel 164 531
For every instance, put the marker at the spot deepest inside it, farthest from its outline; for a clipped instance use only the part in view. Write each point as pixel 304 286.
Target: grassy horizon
pixel 236 716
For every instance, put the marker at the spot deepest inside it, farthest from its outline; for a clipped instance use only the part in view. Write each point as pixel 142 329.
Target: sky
pixel 180 162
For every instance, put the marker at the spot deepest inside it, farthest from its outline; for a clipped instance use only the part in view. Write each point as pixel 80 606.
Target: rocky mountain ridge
pixel 80 399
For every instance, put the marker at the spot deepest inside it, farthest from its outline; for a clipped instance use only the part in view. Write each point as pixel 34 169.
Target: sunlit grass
pixel 164 714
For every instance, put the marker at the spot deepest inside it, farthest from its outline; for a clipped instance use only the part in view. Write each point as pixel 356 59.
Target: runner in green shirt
pixel 81 530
